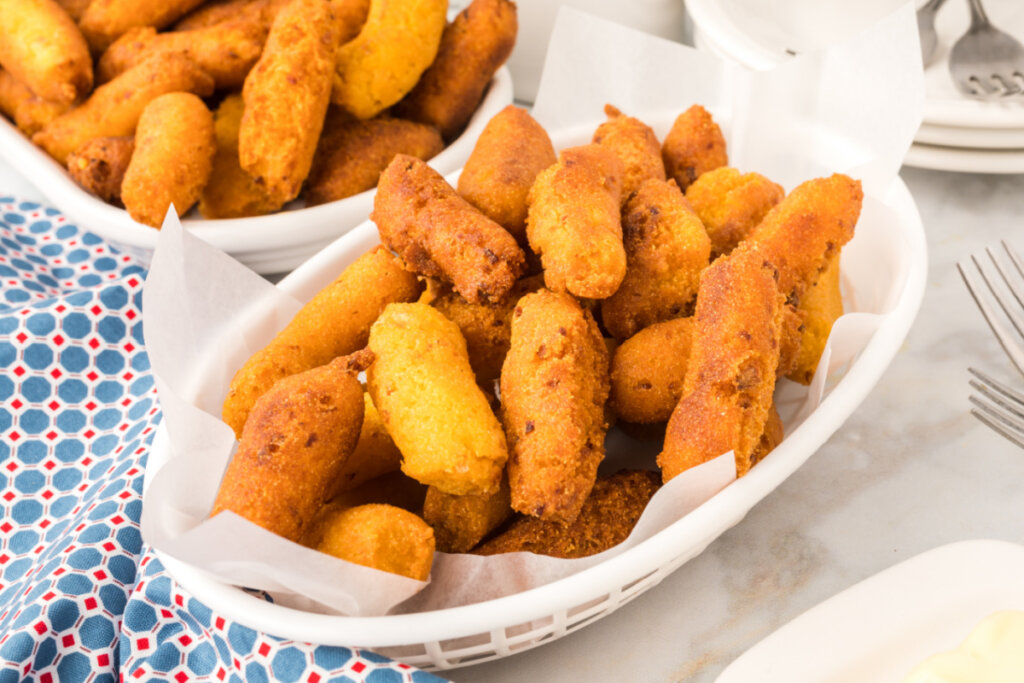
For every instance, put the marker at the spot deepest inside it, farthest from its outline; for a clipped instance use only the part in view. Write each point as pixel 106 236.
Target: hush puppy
pixel 460 522
pixel 731 204
pixel 286 96
pixel 104 21
pixel 173 156
pixel 425 391
pixel 574 225
pixel 512 149
pixel 397 43
pixel 439 234
pixel 694 146
pixel 666 250
pixel 648 371
pixel 99 166
pixel 293 446
pixel 637 147
pixel 352 154
pixel 554 385
pixel 41 46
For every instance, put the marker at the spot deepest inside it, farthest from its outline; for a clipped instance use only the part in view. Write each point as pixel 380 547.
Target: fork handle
pixel 932 6
pixel 978 16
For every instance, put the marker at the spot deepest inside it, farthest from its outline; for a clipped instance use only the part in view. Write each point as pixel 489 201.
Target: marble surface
pixel 910 470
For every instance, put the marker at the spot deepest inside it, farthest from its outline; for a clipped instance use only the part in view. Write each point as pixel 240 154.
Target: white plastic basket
pixel 484 631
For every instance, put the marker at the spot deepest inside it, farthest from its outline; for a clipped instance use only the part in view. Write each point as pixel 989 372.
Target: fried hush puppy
pixel 439 234
pixel 574 223
pixel 217 11
pixel 666 250
pixel 821 306
pixel 226 51
pixel 487 328
pixel 352 154
pixel 472 48
pixel 731 204
pixel 375 453
pixel 296 441
pixel 113 109
pixel 727 394
pixel 334 323
pixel 425 391
pixel 461 522
pixel 512 149
pixel 28 111
pixel 41 46
pixel 99 166
pixel 694 146
pixel 104 21
pixel 554 385
pixel 635 144
pixel 393 488
pixel 286 96
pixel 381 537
pixel 648 371
pixel 608 516
pixel 231 192
pixel 397 43
pixel 173 156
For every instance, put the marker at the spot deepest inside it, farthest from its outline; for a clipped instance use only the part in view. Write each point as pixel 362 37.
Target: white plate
pixel 965 160
pixel 971 138
pixel 761 34
pixel 274 243
pixel 883 627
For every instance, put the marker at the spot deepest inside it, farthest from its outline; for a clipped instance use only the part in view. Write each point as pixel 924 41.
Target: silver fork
pixel 985 62
pixel 997 405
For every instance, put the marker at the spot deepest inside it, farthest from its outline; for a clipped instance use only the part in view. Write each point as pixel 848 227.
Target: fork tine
pixel 1003 334
pixel 995 421
pixel 1012 312
pixel 1008 399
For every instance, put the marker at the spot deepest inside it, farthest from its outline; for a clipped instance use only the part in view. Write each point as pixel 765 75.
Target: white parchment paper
pixel 853 108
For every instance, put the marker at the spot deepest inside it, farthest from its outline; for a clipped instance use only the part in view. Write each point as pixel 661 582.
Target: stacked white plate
pixel 957 134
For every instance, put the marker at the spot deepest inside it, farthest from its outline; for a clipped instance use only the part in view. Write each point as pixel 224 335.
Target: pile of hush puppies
pixel 308 97
pixel 504 324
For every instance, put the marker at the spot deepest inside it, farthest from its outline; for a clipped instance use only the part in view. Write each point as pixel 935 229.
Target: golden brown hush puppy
pixel 381 537
pixel 231 192
pixel 173 156
pixel 352 154
pixel 648 371
pixel 286 96
pixel 100 164
pixel 731 205
pixel 41 46
pixel 333 323
pixel 28 111
pixel 666 250
pixel 425 391
pixel 226 51
pixel 608 516
pixel 472 48
pixel 217 11
pixel 554 385
pixel 397 43
pixel 635 144
pixel 694 145
pixel 295 442
pixel 375 453
pixel 393 488
pixel 512 149
pixel 439 234
pixel 113 109
pixel 460 522
pixel 574 223
pixel 730 379
pixel 820 307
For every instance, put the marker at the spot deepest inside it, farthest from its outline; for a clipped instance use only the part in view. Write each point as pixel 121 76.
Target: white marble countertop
pixel 910 470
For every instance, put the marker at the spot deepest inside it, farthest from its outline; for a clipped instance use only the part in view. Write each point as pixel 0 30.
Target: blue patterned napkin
pixel 81 597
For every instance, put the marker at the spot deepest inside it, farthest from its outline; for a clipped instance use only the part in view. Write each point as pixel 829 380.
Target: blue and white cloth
pixel 82 599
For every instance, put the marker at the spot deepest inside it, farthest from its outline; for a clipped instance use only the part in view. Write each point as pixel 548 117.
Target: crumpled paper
pixel 853 108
